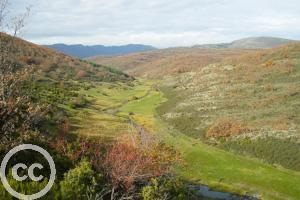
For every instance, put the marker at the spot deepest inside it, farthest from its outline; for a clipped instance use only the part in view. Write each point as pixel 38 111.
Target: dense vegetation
pixel 271 150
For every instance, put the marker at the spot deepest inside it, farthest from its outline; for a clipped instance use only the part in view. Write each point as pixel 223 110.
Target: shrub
pixel 18 116
pixel 128 163
pixel 30 60
pixel 65 127
pixel 78 181
pixel 269 63
pixel 227 128
pixel 165 188
pixel 81 74
pixel 79 102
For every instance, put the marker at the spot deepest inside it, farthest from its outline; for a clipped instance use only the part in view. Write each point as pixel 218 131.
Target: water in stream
pixel 206 192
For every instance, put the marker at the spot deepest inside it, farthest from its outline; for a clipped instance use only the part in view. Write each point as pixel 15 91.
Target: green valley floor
pixel 111 108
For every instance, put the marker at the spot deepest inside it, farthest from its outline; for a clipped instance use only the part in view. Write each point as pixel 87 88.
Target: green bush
pixel 78 181
pixel 165 188
pixel 79 102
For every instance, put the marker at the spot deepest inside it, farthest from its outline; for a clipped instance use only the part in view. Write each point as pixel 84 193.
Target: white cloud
pixel 161 23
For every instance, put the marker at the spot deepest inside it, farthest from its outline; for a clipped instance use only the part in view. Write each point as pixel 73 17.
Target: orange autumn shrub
pixel 227 128
pixel 129 162
pixel 81 74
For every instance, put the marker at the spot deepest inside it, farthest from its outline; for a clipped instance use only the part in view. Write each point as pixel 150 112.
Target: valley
pixel 149 100
pixel 229 122
pixel 202 164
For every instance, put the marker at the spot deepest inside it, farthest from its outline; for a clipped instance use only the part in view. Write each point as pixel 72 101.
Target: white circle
pixel 16 150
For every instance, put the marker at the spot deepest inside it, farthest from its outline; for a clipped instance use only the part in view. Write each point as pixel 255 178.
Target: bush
pixel 227 128
pixel 165 188
pixel 81 74
pixel 79 102
pixel 78 181
pixel 19 116
pixel 127 163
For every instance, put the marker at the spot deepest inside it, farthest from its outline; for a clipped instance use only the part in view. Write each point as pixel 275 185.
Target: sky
pixel 161 23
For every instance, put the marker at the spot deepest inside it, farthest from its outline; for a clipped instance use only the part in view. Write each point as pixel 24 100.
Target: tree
pixel 13 25
pixel 17 112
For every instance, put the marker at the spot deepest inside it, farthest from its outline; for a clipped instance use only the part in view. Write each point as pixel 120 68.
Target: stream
pixel 206 192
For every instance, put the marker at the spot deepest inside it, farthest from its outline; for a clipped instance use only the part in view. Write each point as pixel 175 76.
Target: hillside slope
pixel 259 43
pixel 248 105
pixel 204 164
pixel 49 64
pixel 82 51
pixel 70 114
pixel 250 43
pixel 168 61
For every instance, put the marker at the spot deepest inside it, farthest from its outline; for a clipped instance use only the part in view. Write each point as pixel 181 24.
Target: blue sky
pixel 162 23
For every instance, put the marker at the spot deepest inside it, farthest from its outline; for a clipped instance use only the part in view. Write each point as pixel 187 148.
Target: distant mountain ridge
pixel 83 51
pixel 249 43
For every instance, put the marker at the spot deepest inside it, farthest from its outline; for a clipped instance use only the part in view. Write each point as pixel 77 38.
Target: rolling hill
pixel 167 61
pixel 250 43
pixel 247 105
pixel 172 61
pixel 82 51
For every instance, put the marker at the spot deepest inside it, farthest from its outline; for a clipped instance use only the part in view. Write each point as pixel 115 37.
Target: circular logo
pixel 30 171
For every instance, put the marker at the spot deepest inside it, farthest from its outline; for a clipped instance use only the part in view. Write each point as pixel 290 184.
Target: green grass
pixel 145 105
pixel 226 171
pixel 109 95
pixel 217 168
pixel 101 117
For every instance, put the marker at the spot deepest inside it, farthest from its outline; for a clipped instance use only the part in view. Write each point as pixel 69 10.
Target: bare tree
pixel 11 24
pixel 8 24
pixel 15 109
